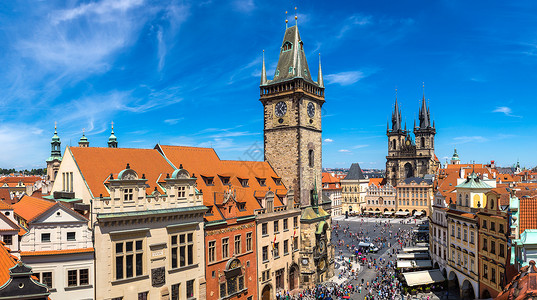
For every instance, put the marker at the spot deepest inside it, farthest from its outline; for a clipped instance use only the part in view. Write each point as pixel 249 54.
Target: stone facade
pixel 415 195
pixel 381 198
pixel 407 157
pixel 353 195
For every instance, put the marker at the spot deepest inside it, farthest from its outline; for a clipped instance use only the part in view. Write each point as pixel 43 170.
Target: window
pixel 279 279
pixel 502 251
pixel 222 290
pixel 290 70
pixel 485 224
pixel 501 229
pixel 286 247
pixel 244 182
pixel 249 241
pixel 285 225
pixel 212 251
pixel 72 278
pixel 46 279
pixel 471 264
pixel 237 244
pixel 83 276
pixel 492 226
pixel 276 250
pixel 175 292
pixel 181 192
pixel 225 247
pixel 262 181
pixel 276 228
pixel 493 247
pixel 264 229
pixel 45 237
pixel 459 233
pixel 485 272
pixel 224 180
pixel 465 236
pixel 295 243
pixel 182 247
pixel 493 275
pixel 287 46
pixel 142 295
pixel 295 222
pixel 265 253
pixel 128 195
pixel 8 239
pixel 129 259
pixel 311 158
pixel 277 181
pixel 208 180
pixel 471 237
pixel 190 289
pixel 71 236
pixel 485 242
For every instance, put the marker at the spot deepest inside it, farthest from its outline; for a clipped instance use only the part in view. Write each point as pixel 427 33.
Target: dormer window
pixel 290 70
pixel 208 180
pixel 277 73
pixel 277 181
pixel 262 181
pixel 181 192
pixel 287 46
pixel 224 179
pixel 244 182
pixel 128 195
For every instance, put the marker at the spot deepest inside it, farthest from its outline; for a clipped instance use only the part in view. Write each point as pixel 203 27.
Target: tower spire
pixel 112 140
pixel 320 80
pixel 263 71
pixel 396 116
pixel 425 119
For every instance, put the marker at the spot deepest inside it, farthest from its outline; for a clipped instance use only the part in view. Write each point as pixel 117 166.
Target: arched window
pixel 423 142
pixel 287 46
pixel 394 144
pixel 491 203
pixel 311 158
pixel 459 202
pixel 466 201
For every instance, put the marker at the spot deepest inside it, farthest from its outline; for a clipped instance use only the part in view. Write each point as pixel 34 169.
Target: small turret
pixel 320 80
pixel 83 142
pixel 112 140
pixel 264 71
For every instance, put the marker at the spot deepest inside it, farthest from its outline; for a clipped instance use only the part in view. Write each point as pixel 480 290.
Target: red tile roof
pixel 527 213
pixel 523 286
pixel 204 162
pixel 96 164
pixel 56 252
pixel 7 261
pixel 328 178
pixel 30 208
pixel 17 179
pixel 377 181
pixel 5 194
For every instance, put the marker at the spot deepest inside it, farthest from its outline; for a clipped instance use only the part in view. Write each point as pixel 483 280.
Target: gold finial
pixel 55 125
pixel 296 17
pixel 112 125
pixel 286 20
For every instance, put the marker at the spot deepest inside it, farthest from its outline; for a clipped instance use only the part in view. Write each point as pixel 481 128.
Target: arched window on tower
pixel 287 46
pixel 394 144
pixel 422 142
pixel 311 158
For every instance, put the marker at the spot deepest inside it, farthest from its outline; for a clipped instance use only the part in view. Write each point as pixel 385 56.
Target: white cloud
pixel 95 8
pixel 359 146
pixel 468 139
pixel 344 78
pixel 244 6
pixel 172 121
pixel 328 140
pixel 353 21
pixel 506 111
pixel 344 151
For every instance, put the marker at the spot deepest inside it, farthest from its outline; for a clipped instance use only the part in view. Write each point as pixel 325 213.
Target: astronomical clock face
pixel 322 246
pixel 311 109
pixel 322 264
pixel 280 109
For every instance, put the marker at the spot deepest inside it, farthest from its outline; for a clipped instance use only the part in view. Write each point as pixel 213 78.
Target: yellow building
pixel 414 197
pixel 463 229
pixel 493 246
pixel 354 187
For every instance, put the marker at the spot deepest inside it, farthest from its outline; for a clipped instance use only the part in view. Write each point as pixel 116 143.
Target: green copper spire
pixel 55 144
pixel 315 197
pixel 112 140
pixel 83 142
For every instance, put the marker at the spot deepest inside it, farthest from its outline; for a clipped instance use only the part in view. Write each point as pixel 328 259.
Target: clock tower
pixel 292 104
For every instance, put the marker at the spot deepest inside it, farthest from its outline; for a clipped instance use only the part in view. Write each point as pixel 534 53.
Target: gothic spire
pixel 424 115
pixel 263 71
pixel 292 62
pixel 396 117
pixel 320 80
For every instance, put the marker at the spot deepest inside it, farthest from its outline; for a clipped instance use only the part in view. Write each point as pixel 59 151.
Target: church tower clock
pixel 292 104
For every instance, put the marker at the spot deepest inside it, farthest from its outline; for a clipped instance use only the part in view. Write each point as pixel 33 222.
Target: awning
pixel 372 212
pixel 423 277
pixel 415 249
pixel 421 231
pixel 412 264
pixel 412 256
pixel 422 244
pixel 402 213
pixel 388 213
pixel 418 213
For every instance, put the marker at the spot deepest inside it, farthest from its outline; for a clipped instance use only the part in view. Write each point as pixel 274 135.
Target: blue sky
pixel 187 73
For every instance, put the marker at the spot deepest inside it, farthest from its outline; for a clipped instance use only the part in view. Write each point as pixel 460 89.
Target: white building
pixel 58 246
pixel 10 230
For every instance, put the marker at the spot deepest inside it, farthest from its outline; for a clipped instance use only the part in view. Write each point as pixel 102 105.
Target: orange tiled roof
pixel 5 194
pixel 328 178
pixel 528 213
pixel 6 262
pixel 205 162
pixel 17 179
pixel 377 181
pixel 56 252
pixel 30 208
pixel 523 286
pixel 4 205
pixel 96 164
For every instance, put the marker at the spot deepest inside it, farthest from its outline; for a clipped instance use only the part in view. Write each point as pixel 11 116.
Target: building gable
pixel 59 214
